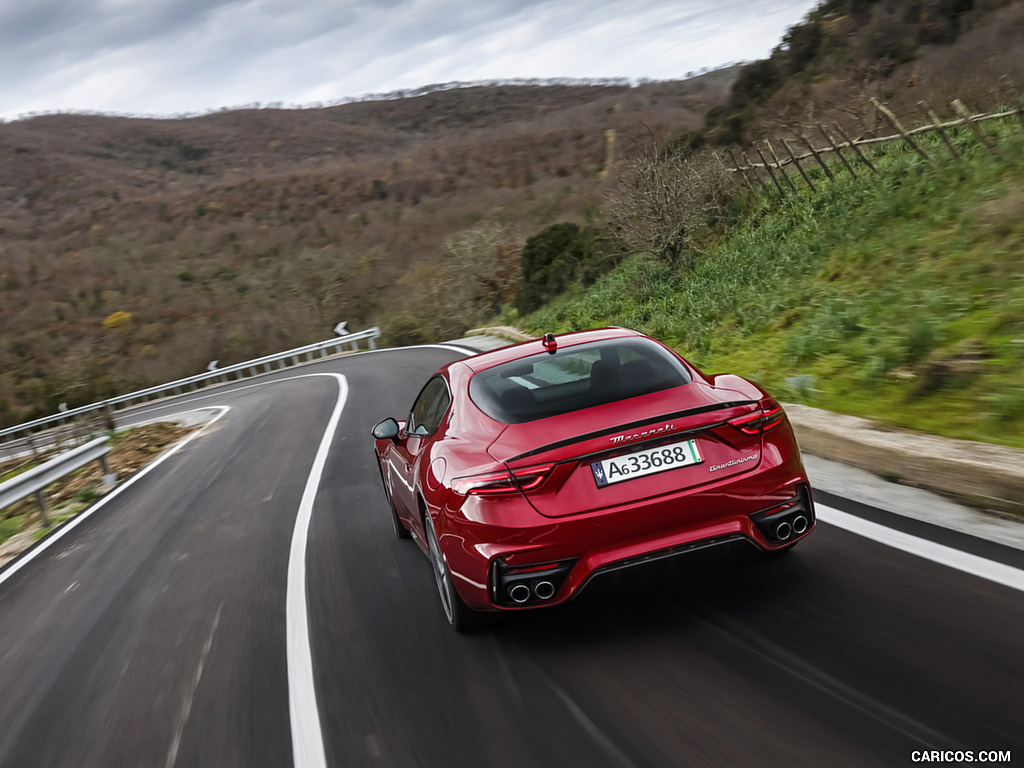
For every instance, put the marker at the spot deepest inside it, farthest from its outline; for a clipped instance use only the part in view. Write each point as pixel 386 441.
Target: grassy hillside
pixel 897 296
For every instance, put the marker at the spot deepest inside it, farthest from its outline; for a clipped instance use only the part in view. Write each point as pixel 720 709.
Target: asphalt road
pixel 156 632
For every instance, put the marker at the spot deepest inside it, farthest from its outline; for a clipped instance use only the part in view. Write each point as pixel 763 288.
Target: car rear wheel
pixel 459 617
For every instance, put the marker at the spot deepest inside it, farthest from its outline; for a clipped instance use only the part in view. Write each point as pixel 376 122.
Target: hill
pixel 844 52
pixel 896 295
pixel 133 251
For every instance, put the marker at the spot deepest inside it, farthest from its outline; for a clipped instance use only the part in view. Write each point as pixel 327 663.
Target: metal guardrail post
pixel 35 480
pixel 44 508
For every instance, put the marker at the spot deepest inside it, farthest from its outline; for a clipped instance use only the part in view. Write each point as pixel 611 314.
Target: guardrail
pixel 37 478
pixel 278 361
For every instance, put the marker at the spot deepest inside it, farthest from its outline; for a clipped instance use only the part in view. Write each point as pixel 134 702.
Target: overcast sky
pixel 167 57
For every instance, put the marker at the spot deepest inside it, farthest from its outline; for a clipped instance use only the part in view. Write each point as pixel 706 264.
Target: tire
pixel 400 530
pixel 459 617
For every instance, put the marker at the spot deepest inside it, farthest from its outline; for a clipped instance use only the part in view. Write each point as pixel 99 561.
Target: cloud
pixel 173 56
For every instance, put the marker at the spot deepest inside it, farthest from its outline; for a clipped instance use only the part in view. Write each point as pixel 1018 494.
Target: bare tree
pixel 664 202
pixel 481 267
pixel 466 285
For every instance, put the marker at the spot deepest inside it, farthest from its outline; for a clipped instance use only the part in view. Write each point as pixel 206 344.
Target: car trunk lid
pixel 633 449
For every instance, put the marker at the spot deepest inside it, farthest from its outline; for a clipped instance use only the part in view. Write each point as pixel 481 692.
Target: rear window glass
pixel 574 378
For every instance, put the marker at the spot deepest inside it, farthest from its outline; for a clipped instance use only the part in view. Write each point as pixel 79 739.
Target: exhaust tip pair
pixel 542 590
pixel 528 583
pixel 784 530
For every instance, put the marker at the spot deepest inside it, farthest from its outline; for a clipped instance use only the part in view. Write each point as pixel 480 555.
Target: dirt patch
pixel 21 524
pixel 131 452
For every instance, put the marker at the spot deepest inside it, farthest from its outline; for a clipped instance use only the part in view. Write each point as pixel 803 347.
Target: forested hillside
pixel 133 251
pixel 900 51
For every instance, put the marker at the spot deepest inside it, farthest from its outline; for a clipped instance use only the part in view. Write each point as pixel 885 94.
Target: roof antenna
pixel 549 343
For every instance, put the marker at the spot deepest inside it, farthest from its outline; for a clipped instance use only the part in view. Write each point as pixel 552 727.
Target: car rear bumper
pixel 562 556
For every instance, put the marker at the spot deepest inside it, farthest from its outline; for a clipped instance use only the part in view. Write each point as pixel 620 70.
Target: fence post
pixel 782 172
pixel 838 151
pixel 938 127
pixel 750 167
pixel 813 151
pixel 895 123
pixel 856 149
pixel 799 167
pixel 741 171
pixel 983 137
pixel 770 171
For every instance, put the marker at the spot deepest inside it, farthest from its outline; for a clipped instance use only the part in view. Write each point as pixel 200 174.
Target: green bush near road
pixel 900 293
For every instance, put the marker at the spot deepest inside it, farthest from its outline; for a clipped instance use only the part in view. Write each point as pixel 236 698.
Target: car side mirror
pixel 387 430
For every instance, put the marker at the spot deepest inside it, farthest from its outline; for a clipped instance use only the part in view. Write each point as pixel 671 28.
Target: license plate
pixel 648 462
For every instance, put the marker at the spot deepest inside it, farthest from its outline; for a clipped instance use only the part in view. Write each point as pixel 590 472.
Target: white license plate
pixel 641 463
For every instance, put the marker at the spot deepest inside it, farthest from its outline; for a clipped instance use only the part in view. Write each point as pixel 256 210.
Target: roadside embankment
pixel 979 474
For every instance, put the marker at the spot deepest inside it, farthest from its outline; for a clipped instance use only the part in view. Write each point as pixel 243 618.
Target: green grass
pixel 9 526
pixel 901 294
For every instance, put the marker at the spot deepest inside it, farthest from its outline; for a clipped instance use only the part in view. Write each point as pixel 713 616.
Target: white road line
pixel 307 737
pixel 69 526
pixel 1006 575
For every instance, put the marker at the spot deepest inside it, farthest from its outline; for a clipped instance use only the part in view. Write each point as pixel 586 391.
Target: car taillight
pixel 769 415
pixel 525 479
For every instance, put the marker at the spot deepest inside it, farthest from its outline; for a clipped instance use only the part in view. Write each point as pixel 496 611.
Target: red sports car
pixel 525 472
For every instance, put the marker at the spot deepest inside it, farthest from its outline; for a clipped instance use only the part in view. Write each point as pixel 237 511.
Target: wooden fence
pixel 812 154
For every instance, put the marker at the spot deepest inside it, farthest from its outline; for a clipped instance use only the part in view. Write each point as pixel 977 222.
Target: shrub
pixel 87 494
pixel 559 256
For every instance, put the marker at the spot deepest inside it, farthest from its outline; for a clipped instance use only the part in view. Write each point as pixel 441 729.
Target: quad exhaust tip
pixel 519 593
pixel 783 531
pixel 799 524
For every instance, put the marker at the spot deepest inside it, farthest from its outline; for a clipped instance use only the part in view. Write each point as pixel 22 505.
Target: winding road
pixel 245 603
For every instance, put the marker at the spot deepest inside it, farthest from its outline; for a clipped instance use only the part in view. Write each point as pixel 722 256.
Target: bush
pixel 559 256
pixel 87 494
pixel 403 331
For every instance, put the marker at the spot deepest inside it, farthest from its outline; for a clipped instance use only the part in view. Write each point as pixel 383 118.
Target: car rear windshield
pixel 574 378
